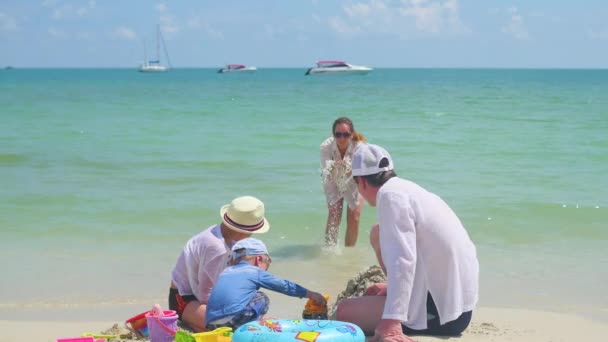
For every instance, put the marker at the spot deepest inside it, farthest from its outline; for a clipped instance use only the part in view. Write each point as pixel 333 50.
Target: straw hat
pixel 245 215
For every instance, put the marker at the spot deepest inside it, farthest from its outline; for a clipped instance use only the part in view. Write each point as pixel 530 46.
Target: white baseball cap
pixel 367 159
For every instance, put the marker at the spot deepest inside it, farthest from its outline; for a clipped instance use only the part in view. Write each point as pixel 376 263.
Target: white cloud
pixel 435 17
pixel 7 23
pixel 272 31
pixel 597 34
pixel 61 34
pixel 428 16
pixel 68 11
pixel 546 16
pixel 340 26
pixel 196 23
pixel 168 23
pixel 403 18
pixel 58 33
pixel 516 26
pixel 84 36
pixel 49 3
pixel 123 32
pixel 215 34
pixel 162 8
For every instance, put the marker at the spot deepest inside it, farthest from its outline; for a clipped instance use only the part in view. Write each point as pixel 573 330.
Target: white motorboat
pixel 155 65
pixel 236 68
pixel 337 67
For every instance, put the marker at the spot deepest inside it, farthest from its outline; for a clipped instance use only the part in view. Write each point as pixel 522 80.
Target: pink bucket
pixel 162 328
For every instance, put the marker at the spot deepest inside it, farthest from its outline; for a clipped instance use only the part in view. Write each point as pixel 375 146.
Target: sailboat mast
pixel 165 49
pixel 158 43
pixel 145 54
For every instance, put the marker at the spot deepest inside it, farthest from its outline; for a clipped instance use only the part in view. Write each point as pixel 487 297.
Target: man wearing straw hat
pixel 206 255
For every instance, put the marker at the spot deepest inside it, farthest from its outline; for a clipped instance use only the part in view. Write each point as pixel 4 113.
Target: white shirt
pixel 425 249
pixel 199 265
pixel 338 183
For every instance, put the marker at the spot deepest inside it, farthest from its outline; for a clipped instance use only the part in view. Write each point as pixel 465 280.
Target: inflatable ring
pixel 307 330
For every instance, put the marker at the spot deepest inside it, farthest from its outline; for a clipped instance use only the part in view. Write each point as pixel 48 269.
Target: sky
pixel 297 33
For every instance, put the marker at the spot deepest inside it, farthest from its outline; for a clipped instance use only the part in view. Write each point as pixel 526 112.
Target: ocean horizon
pixel 106 172
pixel 215 67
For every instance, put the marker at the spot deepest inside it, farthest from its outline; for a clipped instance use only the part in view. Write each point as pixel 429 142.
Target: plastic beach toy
pixel 314 310
pixel 162 325
pixel 105 337
pixel 80 339
pixel 138 325
pixel 284 330
pixel 223 334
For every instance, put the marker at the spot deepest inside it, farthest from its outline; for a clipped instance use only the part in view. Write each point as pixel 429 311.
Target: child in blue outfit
pixel 235 299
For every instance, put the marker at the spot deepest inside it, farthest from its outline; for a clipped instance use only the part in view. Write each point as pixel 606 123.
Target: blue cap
pixel 248 246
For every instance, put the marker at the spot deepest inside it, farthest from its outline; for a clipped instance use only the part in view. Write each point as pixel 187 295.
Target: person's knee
pixel 194 316
pixel 339 314
pixel 343 313
pixel 264 304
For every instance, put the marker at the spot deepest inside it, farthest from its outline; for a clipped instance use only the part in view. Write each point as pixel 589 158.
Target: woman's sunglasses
pixel 342 134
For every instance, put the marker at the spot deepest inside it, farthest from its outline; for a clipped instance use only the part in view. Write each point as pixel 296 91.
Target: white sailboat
pixel 155 65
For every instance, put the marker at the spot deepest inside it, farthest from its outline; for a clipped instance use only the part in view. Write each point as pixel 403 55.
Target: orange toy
pixel 314 310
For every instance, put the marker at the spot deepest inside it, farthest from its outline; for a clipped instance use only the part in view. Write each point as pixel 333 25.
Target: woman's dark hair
pixel 378 179
pixel 344 120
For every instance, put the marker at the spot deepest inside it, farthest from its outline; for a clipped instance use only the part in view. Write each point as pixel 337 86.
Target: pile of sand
pixel 125 335
pixel 357 285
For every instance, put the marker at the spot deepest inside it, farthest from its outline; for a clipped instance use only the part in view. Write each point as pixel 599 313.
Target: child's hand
pixel 317 297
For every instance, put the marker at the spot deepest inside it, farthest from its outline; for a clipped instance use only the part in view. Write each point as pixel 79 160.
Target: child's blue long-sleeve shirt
pixel 238 284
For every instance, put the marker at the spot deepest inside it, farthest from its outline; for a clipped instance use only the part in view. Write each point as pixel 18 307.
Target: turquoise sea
pixel 105 173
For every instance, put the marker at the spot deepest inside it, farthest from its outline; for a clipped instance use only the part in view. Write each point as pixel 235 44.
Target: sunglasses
pixel 342 134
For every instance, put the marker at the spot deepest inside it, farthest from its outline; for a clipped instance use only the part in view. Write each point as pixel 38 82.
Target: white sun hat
pixel 367 159
pixel 245 215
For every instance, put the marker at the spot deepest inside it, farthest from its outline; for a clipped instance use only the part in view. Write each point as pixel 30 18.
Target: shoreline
pixel 488 324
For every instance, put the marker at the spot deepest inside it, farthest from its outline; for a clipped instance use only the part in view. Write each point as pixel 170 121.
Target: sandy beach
pixel 489 324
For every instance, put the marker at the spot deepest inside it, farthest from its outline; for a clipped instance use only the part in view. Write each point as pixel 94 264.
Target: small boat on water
pixel 337 67
pixel 155 65
pixel 236 68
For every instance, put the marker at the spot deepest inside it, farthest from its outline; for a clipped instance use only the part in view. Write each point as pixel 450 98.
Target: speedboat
pixel 236 68
pixel 337 67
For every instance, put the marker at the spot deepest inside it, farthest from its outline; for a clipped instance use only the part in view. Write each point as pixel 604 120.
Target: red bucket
pixel 138 324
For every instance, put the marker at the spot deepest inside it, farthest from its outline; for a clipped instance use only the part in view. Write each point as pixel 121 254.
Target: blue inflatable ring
pixel 307 330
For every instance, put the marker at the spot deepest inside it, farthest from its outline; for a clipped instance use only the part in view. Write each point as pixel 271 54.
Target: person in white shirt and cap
pixel 427 255
pixel 207 254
